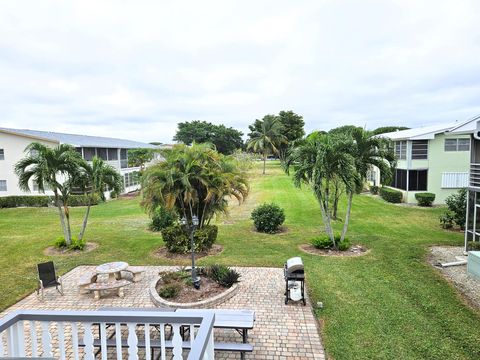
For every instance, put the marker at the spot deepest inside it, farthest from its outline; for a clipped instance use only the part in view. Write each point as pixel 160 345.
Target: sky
pixel 134 69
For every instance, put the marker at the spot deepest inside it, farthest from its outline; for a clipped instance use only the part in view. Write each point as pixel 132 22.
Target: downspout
pixel 409 165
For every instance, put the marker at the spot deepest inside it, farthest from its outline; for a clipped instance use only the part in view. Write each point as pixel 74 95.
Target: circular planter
pixel 207 303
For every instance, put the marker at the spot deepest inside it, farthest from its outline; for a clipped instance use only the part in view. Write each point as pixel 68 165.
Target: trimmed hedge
pixel 425 199
pixel 391 195
pixel 177 238
pixel 267 218
pixel 44 201
pixel 374 189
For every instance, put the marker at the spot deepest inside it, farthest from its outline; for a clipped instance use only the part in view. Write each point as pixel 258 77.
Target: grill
pixel 294 280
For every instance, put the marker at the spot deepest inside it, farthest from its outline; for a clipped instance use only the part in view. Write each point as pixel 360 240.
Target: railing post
pixel 209 351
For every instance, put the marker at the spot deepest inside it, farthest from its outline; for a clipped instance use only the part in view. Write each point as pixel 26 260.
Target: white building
pixel 14 141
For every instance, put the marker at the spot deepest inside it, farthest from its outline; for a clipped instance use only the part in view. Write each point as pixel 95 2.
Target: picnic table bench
pixel 109 285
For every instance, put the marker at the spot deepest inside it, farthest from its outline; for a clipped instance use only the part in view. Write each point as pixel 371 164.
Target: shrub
pixel 222 275
pixel 82 200
pixel 374 189
pixel 473 246
pixel 267 218
pixel 25 200
pixel 457 207
pixel 162 218
pixel 76 244
pixel 177 239
pixel 169 291
pixel 391 195
pixel 324 242
pixel 446 220
pixel 425 199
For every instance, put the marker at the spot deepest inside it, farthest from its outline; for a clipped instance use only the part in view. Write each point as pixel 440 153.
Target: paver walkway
pixel 281 331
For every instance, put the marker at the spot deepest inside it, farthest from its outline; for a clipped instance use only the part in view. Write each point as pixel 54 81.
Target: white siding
pixel 454 180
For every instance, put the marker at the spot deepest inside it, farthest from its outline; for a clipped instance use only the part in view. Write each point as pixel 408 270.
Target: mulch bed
pixel 53 251
pixel 188 294
pixel 163 253
pixel 355 250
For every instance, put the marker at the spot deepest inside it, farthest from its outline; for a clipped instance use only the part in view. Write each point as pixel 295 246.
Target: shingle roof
pixel 421 133
pixel 80 140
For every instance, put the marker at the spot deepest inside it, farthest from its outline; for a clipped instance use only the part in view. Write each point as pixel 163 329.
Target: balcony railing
pixel 475 175
pixel 118 334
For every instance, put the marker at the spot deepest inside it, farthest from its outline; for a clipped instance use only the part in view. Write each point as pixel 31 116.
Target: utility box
pixel 473 264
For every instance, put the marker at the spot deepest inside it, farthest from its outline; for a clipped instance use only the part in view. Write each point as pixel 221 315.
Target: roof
pixel 421 133
pixel 466 127
pixel 79 140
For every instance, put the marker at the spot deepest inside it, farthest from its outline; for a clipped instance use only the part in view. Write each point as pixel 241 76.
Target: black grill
pixel 294 274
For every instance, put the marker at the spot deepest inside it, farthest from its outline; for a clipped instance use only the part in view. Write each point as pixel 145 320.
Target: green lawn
pixel 389 304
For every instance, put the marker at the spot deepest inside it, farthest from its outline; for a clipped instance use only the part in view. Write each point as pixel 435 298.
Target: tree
pixel 387 129
pixel 95 178
pixel 51 168
pixel 318 161
pixel 139 157
pixel 268 138
pixel 195 180
pixel 226 140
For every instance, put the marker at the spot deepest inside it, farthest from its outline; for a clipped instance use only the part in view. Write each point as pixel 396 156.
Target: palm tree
pixel 318 161
pixel 195 180
pixel 50 168
pixel 268 138
pixel 94 179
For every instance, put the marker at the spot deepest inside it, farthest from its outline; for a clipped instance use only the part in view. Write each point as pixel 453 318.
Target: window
pixel 3 185
pixel 454 180
pixel 88 153
pixel 112 154
pixel 36 188
pixel 2 154
pixel 420 149
pixel 417 180
pixel 401 150
pixel 457 144
pixel 400 179
pixel 102 153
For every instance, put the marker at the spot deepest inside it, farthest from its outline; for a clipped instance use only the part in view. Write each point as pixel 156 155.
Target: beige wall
pixel 14 146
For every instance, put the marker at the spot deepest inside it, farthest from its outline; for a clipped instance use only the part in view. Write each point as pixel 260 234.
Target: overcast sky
pixel 134 69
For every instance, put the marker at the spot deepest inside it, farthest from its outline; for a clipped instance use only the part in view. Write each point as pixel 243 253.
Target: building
pixel 430 159
pixel 115 151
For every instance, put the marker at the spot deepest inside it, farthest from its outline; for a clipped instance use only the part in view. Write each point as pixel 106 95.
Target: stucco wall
pixel 14 146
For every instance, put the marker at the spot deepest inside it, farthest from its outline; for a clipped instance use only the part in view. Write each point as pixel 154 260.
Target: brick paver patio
pixel 281 331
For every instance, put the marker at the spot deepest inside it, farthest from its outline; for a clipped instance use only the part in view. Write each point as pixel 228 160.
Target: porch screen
pixel 417 180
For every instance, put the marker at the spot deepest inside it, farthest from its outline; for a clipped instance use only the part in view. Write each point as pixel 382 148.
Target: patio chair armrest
pixel 40 284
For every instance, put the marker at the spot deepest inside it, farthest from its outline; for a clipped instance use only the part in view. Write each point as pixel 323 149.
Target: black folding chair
pixel 47 277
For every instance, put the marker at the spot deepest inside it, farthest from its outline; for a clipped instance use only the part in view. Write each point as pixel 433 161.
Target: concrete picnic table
pixel 113 269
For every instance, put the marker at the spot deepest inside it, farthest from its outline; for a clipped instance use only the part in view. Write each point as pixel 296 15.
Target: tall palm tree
pixel 94 179
pixel 194 180
pixel 268 138
pixel 318 161
pixel 50 168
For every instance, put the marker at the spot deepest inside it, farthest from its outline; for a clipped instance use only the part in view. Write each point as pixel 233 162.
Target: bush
pixel 162 218
pixel 82 200
pixel 391 195
pixel 457 207
pixel 222 275
pixel 169 291
pixel 374 189
pixel 27 200
pixel 324 242
pixel 473 246
pixel 446 220
pixel 177 239
pixel 425 199
pixel 76 244
pixel 267 218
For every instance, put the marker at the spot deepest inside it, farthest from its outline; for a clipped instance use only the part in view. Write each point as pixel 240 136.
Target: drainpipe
pixel 409 164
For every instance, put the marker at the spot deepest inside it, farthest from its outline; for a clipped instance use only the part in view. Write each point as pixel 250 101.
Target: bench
pixel 109 285
pixel 136 272
pixel 85 280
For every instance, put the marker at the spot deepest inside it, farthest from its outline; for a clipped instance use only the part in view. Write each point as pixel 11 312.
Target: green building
pixel 431 159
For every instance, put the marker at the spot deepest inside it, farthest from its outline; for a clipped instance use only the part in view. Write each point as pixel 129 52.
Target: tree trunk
pixel 85 220
pixel 335 207
pixel 347 216
pixel 69 230
pixel 264 160
pixel 326 217
pixel 62 219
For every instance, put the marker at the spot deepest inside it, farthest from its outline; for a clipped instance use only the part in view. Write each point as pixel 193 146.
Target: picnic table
pixel 113 269
pixel 116 285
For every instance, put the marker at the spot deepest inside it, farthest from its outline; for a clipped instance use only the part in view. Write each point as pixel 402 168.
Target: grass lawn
pixel 389 304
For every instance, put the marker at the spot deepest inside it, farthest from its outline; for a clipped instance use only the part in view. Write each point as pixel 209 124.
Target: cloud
pixel 134 69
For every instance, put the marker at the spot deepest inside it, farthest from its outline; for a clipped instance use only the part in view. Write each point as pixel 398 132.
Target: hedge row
pixel 44 201
pixel 390 195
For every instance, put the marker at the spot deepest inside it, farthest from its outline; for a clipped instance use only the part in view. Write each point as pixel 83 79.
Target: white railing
pixel 475 174
pixel 122 334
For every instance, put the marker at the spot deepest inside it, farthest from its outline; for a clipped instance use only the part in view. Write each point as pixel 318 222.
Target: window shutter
pixel 454 180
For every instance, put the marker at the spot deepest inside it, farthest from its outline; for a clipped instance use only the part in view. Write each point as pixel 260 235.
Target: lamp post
pixel 191 228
